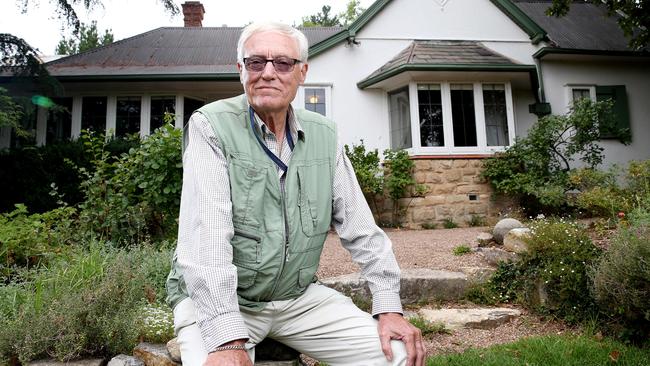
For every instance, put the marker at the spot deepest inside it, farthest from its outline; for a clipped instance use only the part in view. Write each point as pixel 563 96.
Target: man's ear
pixel 303 73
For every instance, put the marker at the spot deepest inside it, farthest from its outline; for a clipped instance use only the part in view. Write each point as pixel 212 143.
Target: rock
pixel 515 240
pixel 174 350
pixel 478 274
pixel 50 362
pixel 153 354
pixel 495 255
pixel 124 360
pixel 416 285
pixel 479 318
pixel 484 239
pixel 502 227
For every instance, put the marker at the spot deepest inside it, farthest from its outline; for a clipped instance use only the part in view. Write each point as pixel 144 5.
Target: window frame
pixel 299 100
pixel 568 93
pixel 479 113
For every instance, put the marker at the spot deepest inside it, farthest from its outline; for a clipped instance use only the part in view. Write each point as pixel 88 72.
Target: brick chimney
pixel 193 13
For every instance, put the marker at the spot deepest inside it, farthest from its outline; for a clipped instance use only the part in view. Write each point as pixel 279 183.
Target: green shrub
pixel 368 171
pixel 552 276
pixel 462 250
pixel 621 278
pixel 449 223
pixel 157 323
pixel 476 220
pixel 536 167
pixel 31 240
pixel 136 196
pixel 88 303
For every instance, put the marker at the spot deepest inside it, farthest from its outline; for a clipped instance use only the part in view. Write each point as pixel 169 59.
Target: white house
pixel 451 81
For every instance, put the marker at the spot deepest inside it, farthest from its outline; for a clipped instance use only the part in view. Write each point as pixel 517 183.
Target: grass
pixel 449 224
pixel 549 351
pixel 462 250
pixel 428 328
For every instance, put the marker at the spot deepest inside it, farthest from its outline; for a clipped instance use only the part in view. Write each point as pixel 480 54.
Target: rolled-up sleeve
pixel 369 246
pixel 205 230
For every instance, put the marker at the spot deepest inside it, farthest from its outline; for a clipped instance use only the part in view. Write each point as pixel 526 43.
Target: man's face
pixel 269 91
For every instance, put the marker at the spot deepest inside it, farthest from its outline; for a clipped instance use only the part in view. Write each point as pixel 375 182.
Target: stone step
pixel 86 362
pixel 417 285
pixel 475 318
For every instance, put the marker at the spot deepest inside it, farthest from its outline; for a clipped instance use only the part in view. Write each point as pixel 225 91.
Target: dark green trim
pixel 160 77
pixel 349 32
pixel 534 31
pixel 442 67
pixel 570 51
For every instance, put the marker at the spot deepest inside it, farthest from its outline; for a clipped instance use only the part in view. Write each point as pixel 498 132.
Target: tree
pixel 321 19
pixel 85 40
pixel 352 11
pixel 635 20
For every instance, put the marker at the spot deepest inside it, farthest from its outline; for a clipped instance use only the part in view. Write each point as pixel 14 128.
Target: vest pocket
pixel 245 277
pixel 315 198
pixel 247 184
pixel 246 248
pixel 306 276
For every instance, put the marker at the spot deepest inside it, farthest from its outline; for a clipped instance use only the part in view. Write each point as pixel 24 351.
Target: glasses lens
pixel 283 64
pixel 254 63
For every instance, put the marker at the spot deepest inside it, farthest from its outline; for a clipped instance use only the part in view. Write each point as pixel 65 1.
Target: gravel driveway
pixel 413 249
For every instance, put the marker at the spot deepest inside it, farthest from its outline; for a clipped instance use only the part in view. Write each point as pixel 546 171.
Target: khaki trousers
pixel 322 323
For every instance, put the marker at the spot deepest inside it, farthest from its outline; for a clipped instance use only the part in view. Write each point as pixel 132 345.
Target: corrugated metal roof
pixel 167 51
pixel 585 27
pixel 432 52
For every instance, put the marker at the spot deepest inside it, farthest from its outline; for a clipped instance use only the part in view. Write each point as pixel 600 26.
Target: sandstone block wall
pixel 456 191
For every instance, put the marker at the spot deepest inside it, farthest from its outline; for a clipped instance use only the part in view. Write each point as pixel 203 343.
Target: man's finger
pixel 411 350
pixel 385 346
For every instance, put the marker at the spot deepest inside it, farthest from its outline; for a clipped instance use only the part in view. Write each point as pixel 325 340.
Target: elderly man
pixel 262 183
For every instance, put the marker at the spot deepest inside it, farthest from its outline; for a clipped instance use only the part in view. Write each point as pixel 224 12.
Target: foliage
pixel 321 19
pixel 33 240
pixel 550 350
pixel 157 323
pixel 137 195
pixel 536 167
pixel 352 11
pixel 29 173
pixel 552 276
pixel 449 223
pixel 86 303
pixel 635 22
pixel 429 225
pixel 86 39
pixel 428 328
pixel 368 171
pixel 476 220
pixel 10 112
pixel 398 179
pixel 621 278
pixel 462 250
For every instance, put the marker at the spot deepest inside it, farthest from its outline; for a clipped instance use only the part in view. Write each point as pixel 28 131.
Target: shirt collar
pixel 294 125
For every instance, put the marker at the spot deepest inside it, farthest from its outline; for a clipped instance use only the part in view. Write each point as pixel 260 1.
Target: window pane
pixel 128 116
pixel 160 106
pixel 580 93
pixel 93 114
pixel 400 119
pixel 190 105
pixel 462 113
pixel 315 100
pixel 496 120
pixel 430 108
pixel 59 120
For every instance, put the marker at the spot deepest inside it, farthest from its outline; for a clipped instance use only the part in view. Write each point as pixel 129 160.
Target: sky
pixel 41 28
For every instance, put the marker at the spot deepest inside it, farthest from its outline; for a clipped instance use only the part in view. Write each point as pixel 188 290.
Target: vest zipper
pixel 285 254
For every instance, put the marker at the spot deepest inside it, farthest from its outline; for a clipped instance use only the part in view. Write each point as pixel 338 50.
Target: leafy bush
pixel 398 179
pixel 449 223
pixel 369 173
pixel 476 220
pixel 622 278
pixel 137 195
pixel 29 172
pixel 29 240
pixel 87 303
pixel 536 167
pixel 552 276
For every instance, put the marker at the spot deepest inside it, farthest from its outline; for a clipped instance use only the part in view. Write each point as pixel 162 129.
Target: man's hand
pixel 394 326
pixel 235 357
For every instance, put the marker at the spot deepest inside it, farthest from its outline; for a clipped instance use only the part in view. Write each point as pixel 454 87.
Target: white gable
pixel 454 20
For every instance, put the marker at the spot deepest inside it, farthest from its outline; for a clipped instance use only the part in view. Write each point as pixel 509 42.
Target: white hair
pixel 287 30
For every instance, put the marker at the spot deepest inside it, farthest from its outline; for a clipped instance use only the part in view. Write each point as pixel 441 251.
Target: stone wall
pixel 456 191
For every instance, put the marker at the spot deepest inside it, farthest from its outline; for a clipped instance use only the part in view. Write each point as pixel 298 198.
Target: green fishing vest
pixel 278 235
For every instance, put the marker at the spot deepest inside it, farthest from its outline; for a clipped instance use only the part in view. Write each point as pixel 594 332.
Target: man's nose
pixel 269 70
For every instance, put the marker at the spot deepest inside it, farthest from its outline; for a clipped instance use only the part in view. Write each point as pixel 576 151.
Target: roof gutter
pixel 153 77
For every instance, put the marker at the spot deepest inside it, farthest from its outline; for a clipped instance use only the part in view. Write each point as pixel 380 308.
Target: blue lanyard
pixel 268 152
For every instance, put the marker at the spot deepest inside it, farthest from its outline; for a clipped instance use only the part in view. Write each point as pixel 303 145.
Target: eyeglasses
pixel 281 64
